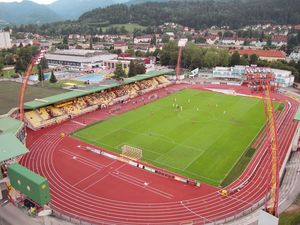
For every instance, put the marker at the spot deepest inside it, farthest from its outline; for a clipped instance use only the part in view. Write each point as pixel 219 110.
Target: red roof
pixel 297 27
pixel 262 53
pixel 35 42
pixel 120 43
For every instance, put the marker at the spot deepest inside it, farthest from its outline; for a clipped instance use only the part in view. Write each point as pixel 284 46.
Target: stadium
pixel 150 151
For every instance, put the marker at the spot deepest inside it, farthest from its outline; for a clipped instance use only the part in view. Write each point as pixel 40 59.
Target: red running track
pixel 104 191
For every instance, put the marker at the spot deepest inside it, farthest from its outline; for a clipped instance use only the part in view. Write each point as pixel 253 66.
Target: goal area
pixel 132 152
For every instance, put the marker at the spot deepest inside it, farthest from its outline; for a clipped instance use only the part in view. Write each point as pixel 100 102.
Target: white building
pixel 284 78
pixel 143 39
pixel 236 72
pixel 79 59
pixel 294 56
pixel 5 41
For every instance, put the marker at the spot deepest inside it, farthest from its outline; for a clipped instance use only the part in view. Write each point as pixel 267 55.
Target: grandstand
pixel 56 109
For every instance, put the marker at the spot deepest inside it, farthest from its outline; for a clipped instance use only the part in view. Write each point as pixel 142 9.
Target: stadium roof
pixel 9 124
pixel 80 59
pixel 37 103
pixel 10 147
pixel 297 115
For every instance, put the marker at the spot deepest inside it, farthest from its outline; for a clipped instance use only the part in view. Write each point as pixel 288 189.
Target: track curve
pixel 185 204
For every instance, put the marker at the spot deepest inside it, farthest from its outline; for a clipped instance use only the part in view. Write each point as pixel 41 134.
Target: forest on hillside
pixel 200 14
pixel 195 14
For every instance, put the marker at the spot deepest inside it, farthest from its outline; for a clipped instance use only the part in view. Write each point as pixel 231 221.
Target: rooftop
pixel 10 147
pixel 9 124
pixel 80 59
pixel 37 179
pixel 262 53
pixel 79 52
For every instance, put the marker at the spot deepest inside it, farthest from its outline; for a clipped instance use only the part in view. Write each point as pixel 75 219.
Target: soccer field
pixel 203 141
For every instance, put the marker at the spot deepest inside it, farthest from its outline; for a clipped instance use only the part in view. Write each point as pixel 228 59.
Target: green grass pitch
pixel 203 141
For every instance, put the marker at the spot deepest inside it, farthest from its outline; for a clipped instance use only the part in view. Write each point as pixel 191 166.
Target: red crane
pixel 34 61
pixel 181 44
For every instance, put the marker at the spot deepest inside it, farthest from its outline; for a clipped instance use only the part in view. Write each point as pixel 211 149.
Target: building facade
pixel 284 78
pixel 79 59
pixel 5 41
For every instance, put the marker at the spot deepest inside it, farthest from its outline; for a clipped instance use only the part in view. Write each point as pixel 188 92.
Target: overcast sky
pixel 37 1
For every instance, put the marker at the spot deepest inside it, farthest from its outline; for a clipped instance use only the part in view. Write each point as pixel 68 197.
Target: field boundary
pixel 170 167
pixel 247 149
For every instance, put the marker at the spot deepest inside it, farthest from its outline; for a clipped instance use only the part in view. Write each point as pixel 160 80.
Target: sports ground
pixel 202 138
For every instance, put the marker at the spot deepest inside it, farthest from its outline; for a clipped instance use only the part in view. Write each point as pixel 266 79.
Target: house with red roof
pixel 279 40
pixel 269 55
pixel 121 45
pixel 297 27
pixel 211 39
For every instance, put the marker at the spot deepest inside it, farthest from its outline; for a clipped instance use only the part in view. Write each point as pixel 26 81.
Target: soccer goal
pixel 132 152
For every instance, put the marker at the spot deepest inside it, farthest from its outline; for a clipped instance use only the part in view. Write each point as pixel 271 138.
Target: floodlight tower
pixel 263 80
pixel 34 61
pixel 181 44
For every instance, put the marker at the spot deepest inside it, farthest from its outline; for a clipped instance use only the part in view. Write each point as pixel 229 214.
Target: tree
pixel 132 71
pixel 1 64
pixel 211 58
pixel 20 65
pixel 244 60
pixel 52 78
pixel 168 55
pixel 65 40
pixel 269 42
pixel 253 59
pixel 130 51
pixel 153 40
pixel 44 63
pixel 119 73
pixel 235 59
pixel 41 75
pixel 140 68
pixel 1 67
pixel 165 38
pixel 91 43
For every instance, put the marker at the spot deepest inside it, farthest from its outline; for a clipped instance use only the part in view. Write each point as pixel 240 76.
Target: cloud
pixel 37 1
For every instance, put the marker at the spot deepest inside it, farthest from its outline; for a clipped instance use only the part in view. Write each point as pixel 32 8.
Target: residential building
pixel 5 41
pixel 143 39
pixel 112 63
pixel 294 56
pixel 228 41
pixel 284 78
pixel 123 46
pixel 23 42
pixel 269 55
pixel 212 39
pixel 279 40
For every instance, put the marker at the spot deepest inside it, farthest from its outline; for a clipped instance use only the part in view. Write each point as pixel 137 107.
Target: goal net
pixel 132 152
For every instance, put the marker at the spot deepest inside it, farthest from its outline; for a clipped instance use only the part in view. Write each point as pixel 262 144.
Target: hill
pixel 77 7
pixel 26 12
pixel 198 14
